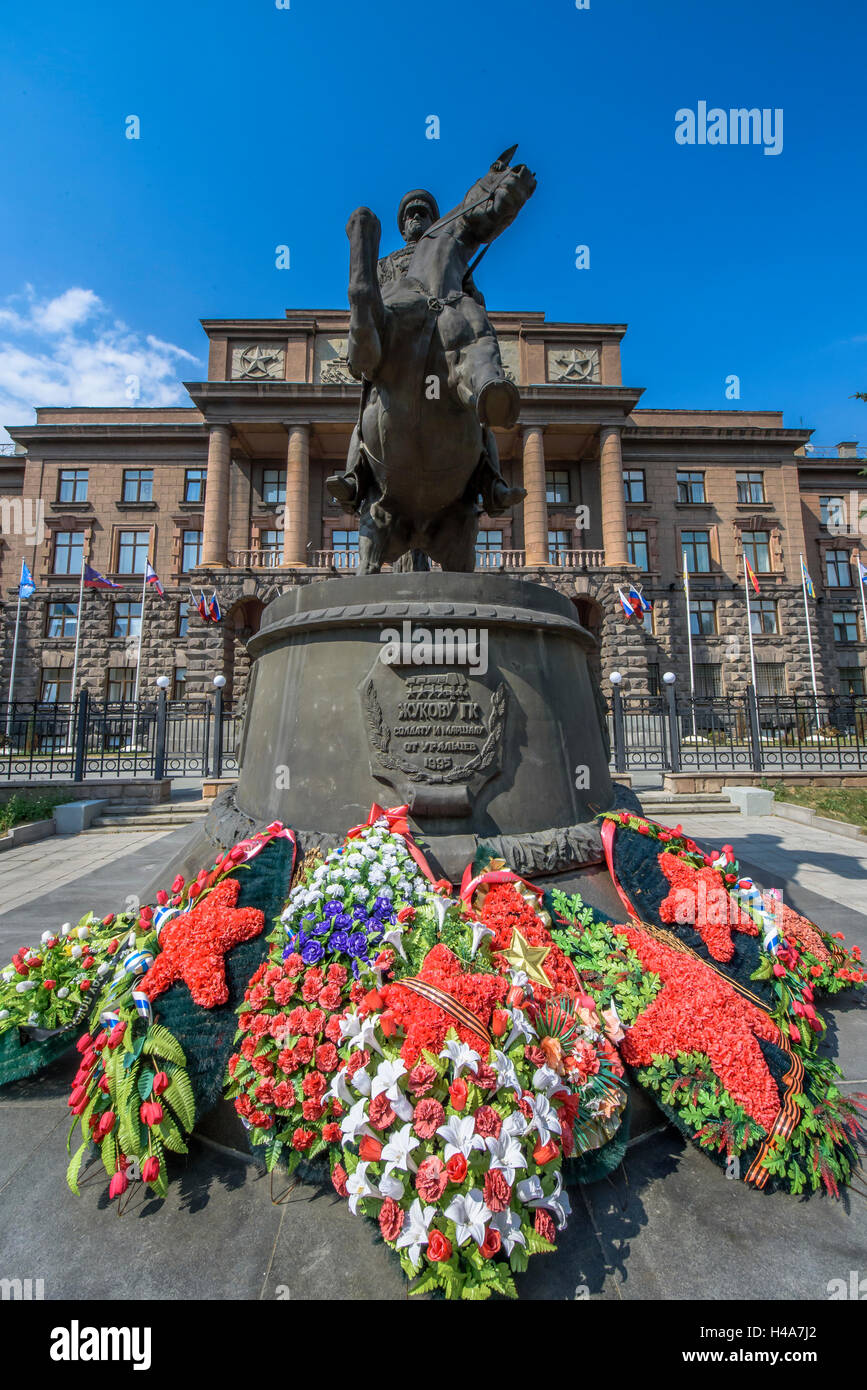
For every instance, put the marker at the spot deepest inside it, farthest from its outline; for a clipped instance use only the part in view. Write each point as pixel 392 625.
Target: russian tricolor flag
pixel 151 577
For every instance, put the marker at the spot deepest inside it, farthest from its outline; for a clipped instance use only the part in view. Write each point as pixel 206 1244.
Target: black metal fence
pixel 728 733
pixel 101 738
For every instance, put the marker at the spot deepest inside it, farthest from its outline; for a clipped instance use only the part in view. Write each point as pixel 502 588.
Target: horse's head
pixel 495 201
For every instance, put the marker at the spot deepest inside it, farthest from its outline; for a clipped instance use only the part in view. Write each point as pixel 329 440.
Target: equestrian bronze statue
pixel 423 461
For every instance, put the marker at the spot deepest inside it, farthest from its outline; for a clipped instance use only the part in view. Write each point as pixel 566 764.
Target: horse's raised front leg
pixel 367 319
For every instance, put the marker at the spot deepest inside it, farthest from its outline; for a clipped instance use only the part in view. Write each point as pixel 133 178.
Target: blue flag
pixel 26 588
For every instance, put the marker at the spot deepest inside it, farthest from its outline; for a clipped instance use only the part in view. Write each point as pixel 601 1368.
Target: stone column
pixel 297 496
pixel 215 541
pixel 613 497
pixel 535 505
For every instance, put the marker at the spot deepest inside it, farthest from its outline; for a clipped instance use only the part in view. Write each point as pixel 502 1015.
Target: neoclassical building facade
pixel 229 494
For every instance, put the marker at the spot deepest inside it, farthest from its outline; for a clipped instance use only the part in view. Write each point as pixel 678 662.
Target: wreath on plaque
pixel 380 738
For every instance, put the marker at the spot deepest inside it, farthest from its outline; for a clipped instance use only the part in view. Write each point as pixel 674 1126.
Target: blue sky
pixel 263 126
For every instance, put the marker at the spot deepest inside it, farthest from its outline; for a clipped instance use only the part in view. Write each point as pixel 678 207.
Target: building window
pixel 702 617
pixel 133 551
pixel 72 485
pixel 636 549
pixel 191 552
pixel 194 484
pixel 68 552
pixel 127 620
pixel 851 681
pixel 62 620
pixel 708 679
pixel 838 574
pixel 138 485
pixel 751 487
pixel 179 689
pixel 763 616
pixel 183 617
pixel 647 621
pixel 56 685
pixel 344 546
pixel 558 545
pixel 757 548
pixel 696 548
pixel 770 678
pixel 633 485
pixel 845 625
pixel 489 550
pixel 274 485
pixel 271 542
pixel 654 685
pixel 690 487
pixel 832 513
pixel 556 485
pixel 120 684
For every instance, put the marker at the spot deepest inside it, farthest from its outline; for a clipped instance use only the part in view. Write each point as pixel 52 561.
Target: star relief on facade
pixel 574 364
pixel 258 362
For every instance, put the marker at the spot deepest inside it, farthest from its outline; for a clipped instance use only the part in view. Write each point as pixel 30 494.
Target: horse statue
pixel 423 462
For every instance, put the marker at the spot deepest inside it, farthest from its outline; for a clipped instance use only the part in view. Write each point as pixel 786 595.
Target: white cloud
pixel 69 351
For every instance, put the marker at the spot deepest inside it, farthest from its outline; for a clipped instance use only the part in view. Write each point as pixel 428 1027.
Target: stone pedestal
pixel 466 696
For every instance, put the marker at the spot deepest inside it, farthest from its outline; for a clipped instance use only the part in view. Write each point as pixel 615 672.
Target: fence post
pixel 79 769
pixel 617 711
pixel 219 682
pixel 755 729
pixel 160 749
pixel 673 729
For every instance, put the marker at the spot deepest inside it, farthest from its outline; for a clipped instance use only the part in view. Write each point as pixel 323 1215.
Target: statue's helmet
pixel 417 195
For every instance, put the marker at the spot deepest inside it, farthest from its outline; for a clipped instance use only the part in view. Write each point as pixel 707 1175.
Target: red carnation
pixel 488 1122
pixel 304 1051
pixel 284 1095
pixel 338 1178
pixel 331 1133
pixel 337 975
pixel 312 1110
pixel 498 1193
pixel 313 982
pixel 427 1118
pixel 329 997
pixel 431 1179
pixel 391 1218
pixel 326 1057
pixel 422 1078
pixel 380 1112
pixel 302 1139
pixel 545 1225
pixel 314 1022
pixel 314 1085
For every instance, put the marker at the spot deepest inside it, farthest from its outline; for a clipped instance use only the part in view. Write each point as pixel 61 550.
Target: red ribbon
pixel 398 825
pixel 469 884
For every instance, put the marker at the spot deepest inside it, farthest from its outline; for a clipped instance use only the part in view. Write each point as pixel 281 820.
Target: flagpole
pixel 750 629
pixel 14 655
pixel 689 640
pixel 810 643
pixel 74 688
pixel 144 585
pixel 857 557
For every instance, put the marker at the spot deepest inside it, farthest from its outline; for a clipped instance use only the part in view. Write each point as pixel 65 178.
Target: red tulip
pixel 84 1042
pixel 150 1169
pixel 107 921
pixel 162 897
pixel 151 1112
pixel 112 946
pixel 75 1095
pixel 49 984
pixel 178 883
pixel 84 986
pixel 118 1185
pixel 100 1040
pixel 161 1082
pixel 103 1084
pixel 370 1149
pixel 106 1123
pixel 116 1036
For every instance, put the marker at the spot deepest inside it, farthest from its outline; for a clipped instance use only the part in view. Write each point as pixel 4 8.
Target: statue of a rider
pixel 418 212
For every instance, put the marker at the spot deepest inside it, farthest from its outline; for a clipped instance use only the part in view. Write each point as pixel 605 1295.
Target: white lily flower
pixel 397 1153
pixel 361 1032
pixel 388 1074
pixel 7 975
pixel 506 1073
pixel 63 991
pixel 104 968
pixel 394 937
pixel 46 936
pixel 390 1186
pixel 508 1223
pixel 547 1080
pixel 459 1132
pixel 531 1194
pixel 543 1119
pixel 413 1234
pixel 76 952
pixel 66 929
pixel 4 1013
pixel 354 1122
pixel 362 1082
pixel 521 1028
pixel 441 906
pixel 479 933
pixel 358 1186
pixel 470 1216
pixel 339 1090
pixel 461 1055
pixel 24 986
pixel 515 1124
pixel 506 1154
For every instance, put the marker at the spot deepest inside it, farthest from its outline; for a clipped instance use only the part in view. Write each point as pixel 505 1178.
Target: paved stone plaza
pixel 668 1225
